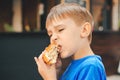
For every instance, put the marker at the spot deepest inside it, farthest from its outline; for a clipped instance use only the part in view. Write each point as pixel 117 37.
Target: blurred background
pixel 23 35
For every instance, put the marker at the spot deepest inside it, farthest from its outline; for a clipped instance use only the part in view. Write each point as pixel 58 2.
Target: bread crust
pixel 50 54
pixel 46 60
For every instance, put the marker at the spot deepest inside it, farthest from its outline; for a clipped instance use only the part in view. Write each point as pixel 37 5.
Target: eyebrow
pixel 60 25
pixel 56 27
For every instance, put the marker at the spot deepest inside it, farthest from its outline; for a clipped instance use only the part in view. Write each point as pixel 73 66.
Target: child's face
pixel 66 34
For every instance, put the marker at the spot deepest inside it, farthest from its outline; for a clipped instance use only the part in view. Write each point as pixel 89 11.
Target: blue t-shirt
pixel 87 68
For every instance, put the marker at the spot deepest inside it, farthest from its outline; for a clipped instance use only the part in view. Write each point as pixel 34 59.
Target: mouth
pixel 59 48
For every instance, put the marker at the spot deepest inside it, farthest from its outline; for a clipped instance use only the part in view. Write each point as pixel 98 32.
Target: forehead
pixel 56 15
pixel 56 22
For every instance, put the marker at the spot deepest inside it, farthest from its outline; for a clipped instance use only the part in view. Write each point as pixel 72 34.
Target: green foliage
pixel 8 27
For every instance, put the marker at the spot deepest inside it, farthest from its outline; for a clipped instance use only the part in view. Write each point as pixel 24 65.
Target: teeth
pixel 59 48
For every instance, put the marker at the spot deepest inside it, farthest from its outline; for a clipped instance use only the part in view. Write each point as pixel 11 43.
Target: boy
pixel 70 26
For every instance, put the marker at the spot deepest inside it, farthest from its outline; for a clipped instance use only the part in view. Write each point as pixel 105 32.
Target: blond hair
pixel 74 11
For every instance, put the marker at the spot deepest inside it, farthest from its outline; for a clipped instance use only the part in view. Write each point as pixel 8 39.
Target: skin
pixel 71 39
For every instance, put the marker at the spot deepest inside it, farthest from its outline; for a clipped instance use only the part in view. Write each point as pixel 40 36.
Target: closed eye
pixel 60 30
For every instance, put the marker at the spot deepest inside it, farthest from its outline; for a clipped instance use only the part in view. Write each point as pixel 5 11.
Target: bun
pixel 50 54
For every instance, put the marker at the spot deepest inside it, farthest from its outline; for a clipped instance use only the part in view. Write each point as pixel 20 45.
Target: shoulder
pixel 92 68
pixel 93 62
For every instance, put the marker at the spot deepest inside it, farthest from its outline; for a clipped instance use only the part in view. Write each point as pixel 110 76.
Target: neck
pixel 82 52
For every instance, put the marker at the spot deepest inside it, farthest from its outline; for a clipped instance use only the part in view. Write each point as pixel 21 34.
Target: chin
pixel 64 55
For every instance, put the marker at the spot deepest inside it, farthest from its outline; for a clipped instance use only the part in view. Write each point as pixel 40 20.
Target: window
pixel 101 11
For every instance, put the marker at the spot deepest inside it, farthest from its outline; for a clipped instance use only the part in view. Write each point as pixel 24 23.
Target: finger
pixel 58 63
pixel 36 60
pixel 40 57
pixel 40 60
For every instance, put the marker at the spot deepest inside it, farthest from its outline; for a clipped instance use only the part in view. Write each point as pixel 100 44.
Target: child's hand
pixel 58 67
pixel 48 72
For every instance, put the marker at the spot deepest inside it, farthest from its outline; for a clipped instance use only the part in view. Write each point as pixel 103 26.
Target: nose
pixel 54 38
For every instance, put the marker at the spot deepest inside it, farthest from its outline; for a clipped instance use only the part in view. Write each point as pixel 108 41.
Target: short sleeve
pixel 91 72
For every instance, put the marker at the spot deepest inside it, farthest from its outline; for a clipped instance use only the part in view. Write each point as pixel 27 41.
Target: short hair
pixel 74 11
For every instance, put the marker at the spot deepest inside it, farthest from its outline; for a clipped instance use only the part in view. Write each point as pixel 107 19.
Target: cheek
pixel 66 53
pixel 71 44
pixel 67 41
pixel 69 47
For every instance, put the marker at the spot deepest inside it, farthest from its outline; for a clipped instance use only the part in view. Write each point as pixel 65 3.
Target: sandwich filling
pixel 50 54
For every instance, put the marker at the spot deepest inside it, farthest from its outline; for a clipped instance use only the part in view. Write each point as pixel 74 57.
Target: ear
pixel 86 29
